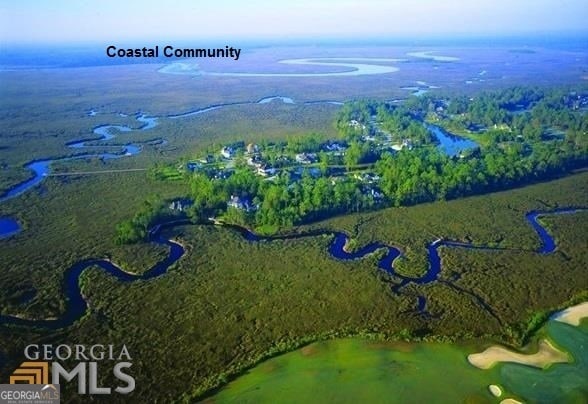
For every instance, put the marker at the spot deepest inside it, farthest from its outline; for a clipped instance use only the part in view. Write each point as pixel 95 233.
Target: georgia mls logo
pixel 36 389
pixel 32 393
pixel 36 374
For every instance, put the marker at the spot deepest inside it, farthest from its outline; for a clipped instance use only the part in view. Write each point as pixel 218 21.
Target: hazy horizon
pixel 64 21
pixel 573 38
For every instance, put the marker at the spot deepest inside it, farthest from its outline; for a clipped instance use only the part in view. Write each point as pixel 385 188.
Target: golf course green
pixel 360 370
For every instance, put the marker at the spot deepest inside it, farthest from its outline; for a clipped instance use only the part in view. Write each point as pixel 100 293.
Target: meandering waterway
pixel 42 168
pixel 76 305
pixel 353 68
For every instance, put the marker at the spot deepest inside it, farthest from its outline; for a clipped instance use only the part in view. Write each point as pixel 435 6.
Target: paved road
pixel 96 172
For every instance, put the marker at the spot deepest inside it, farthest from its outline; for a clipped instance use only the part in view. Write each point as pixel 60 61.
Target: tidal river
pixel 76 305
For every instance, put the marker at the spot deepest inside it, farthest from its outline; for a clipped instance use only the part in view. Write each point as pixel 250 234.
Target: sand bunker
pixel 545 356
pixel 573 315
pixel 495 390
pixel 510 401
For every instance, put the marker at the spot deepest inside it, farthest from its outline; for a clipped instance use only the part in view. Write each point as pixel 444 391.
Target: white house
pixel 306 158
pixel 355 124
pixel 240 203
pixel 405 143
pixel 369 178
pixel 180 205
pixel 266 171
pixel 255 161
pixel 227 152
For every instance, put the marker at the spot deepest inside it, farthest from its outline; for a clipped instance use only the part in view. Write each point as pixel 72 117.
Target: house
pixel 180 205
pixel 227 152
pixel 368 178
pixel 503 127
pixel 252 148
pixel 355 124
pixel 241 204
pixel 405 143
pixel 298 172
pixel 255 161
pixel 306 158
pixel 301 158
pixel 373 193
pixel 334 147
pixel 266 171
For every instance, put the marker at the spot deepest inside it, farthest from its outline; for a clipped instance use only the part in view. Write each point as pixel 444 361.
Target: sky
pixel 116 21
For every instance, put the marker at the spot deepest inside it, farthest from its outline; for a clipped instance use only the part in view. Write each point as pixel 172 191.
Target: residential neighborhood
pixel 349 164
pixel 366 139
pixel 270 161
